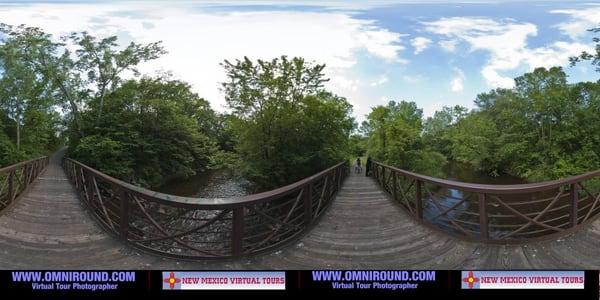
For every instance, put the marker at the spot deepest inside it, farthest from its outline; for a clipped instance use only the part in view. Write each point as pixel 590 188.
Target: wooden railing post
pixel 383 178
pixel 25 175
pixel 394 186
pixel 574 204
pixel 237 234
pixel 483 217
pixel 123 213
pixel 89 187
pixel 308 204
pixel 418 200
pixel 77 179
pixel 338 173
pixel 11 186
pixel 35 167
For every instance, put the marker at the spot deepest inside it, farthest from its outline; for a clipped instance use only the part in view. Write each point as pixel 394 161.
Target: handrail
pixel 494 213
pixel 203 228
pixel 16 178
pixel 496 188
pixel 220 203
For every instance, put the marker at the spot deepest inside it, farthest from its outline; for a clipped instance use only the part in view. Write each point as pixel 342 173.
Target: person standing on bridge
pixel 368 167
pixel 357 167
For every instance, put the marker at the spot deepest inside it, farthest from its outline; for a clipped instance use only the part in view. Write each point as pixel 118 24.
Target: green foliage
pixel 8 152
pixel 286 126
pixel 395 138
pixel 474 140
pixel 593 57
pixel 357 145
pixel 28 119
pixel 542 129
pixel 436 128
pixel 152 127
pixel 102 62
pixel 104 154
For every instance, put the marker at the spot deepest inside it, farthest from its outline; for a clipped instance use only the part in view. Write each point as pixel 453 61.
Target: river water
pixel 210 184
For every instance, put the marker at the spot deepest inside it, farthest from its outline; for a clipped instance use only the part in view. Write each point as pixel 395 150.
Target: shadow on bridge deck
pixel 48 228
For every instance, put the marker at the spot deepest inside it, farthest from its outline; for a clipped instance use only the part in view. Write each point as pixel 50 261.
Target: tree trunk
pixel 102 93
pixel 18 133
pixel 73 105
pixel 100 109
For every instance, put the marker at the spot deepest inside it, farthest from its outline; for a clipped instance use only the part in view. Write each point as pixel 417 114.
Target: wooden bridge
pixel 74 217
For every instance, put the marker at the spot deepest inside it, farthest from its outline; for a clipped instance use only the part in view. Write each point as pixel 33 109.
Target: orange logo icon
pixel 471 280
pixel 172 280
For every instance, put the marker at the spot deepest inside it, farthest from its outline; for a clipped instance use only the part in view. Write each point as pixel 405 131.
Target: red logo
pixel 172 280
pixel 471 280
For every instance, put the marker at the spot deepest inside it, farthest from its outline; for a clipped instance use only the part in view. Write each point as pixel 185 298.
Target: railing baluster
pixel 483 217
pixel 89 186
pixel 11 187
pixel 308 204
pixel 418 200
pixel 383 178
pixel 338 173
pixel 237 234
pixel 394 193
pixel 123 213
pixel 574 204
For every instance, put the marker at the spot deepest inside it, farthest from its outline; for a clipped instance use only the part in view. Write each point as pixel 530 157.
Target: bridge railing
pixel 199 228
pixel 15 179
pixel 494 213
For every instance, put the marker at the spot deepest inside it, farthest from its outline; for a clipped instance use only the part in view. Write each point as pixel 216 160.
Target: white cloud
pixel 448 45
pixel 506 42
pixel 456 85
pixel 379 81
pixel 420 44
pixel 198 41
pixel 581 20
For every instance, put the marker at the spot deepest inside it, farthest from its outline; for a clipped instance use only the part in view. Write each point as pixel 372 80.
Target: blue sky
pixel 435 53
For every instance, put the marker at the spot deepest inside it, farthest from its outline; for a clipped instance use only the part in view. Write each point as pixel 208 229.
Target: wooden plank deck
pixel 48 228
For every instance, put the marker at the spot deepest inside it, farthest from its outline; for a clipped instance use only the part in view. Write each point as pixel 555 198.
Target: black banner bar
pixel 168 283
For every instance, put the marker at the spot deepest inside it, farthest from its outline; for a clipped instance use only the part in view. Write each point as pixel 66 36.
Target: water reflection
pixel 210 184
pixel 446 198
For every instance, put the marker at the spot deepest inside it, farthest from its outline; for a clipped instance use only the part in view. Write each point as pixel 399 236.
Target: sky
pixel 435 53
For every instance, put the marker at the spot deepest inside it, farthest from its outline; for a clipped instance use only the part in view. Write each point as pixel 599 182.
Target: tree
pixel 148 134
pixel 287 126
pixel 594 57
pixel 44 55
pixel 103 63
pixel 25 96
pixel 358 145
pixel 542 129
pixel 436 128
pixel 395 138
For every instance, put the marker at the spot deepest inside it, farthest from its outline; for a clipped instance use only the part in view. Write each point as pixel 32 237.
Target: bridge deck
pixel 49 228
